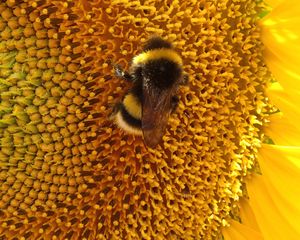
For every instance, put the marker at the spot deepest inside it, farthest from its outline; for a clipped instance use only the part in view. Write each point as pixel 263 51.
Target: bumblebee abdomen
pixel 129 114
pixel 133 105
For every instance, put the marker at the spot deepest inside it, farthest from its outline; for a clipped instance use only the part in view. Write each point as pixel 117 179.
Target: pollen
pixel 66 170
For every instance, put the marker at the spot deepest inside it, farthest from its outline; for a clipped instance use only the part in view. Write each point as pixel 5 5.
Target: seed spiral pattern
pixel 67 172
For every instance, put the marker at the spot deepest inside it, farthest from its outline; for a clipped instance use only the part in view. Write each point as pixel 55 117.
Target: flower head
pixel 68 172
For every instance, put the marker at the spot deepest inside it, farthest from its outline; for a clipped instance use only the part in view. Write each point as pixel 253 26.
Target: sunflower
pixel 272 208
pixel 227 167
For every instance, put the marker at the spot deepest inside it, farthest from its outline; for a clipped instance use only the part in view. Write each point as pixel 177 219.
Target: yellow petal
pixel 286 101
pixel 283 131
pixel 282 162
pixel 248 229
pixel 275 196
pixel 273 3
pixel 281 35
pixel 284 69
pixel 247 215
pixel 238 231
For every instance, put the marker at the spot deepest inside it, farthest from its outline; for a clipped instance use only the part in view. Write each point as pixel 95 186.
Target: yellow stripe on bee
pixel 133 106
pixel 155 54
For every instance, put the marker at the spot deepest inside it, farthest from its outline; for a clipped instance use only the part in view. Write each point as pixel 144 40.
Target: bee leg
pixel 185 79
pixel 119 72
pixel 174 103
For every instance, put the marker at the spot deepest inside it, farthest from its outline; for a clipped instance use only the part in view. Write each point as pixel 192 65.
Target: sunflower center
pixel 68 172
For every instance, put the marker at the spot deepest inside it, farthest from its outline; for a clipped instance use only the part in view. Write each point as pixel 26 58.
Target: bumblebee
pixel 156 74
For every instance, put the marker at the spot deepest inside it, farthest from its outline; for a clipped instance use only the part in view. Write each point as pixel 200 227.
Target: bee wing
pixel 155 114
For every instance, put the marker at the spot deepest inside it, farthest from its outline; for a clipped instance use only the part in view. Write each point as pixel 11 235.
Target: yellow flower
pixel 272 210
pixel 67 172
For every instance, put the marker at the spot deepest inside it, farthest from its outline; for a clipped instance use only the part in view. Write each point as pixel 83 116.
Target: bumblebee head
pixel 155 43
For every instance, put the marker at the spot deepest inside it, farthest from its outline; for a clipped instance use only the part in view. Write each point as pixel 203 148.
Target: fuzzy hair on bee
pixel 156 74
